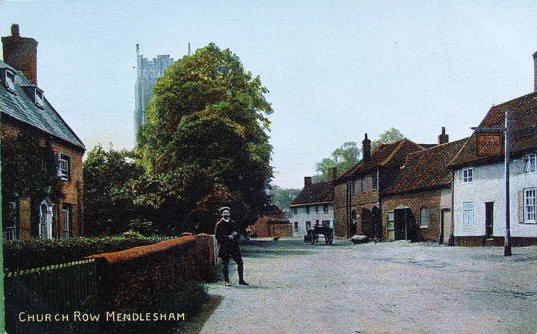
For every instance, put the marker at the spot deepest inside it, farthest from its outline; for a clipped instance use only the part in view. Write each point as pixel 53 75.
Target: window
pixel 529 205
pixel 325 208
pixel 363 185
pixel 468 213
pixel 295 211
pixel 38 97
pixel 66 220
pixel 374 180
pixel 308 226
pixel 316 209
pixel 296 226
pixel 307 209
pixel 424 217
pixel 352 186
pixel 9 80
pixel 64 167
pixel 530 163
pixel 467 174
pixel 11 222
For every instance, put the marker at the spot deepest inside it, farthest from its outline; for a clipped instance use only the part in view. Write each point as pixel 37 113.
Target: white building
pixel 479 183
pixel 313 206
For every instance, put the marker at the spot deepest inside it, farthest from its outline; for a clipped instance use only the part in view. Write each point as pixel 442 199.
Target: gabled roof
pixel 315 193
pixel 384 155
pixel 426 169
pixel 523 126
pixel 20 106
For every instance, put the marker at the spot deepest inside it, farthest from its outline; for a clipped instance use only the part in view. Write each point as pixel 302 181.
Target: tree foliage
pixel 205 141
pixel 108 197
pixel 283 197
pixel 389 136
pixel 28 170
pixel 343 158
pixel 348 154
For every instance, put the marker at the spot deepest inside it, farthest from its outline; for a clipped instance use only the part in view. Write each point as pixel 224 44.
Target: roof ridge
pixel 516 98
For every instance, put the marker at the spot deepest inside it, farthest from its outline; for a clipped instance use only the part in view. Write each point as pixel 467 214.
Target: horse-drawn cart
pixel 312 236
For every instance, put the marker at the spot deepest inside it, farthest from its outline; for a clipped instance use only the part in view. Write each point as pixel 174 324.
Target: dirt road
pixel 392 287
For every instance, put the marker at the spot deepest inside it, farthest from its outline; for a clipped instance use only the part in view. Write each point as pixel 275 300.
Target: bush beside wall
pixel 31 253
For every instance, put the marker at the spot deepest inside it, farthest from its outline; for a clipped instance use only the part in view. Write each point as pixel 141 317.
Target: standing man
pixel 227 237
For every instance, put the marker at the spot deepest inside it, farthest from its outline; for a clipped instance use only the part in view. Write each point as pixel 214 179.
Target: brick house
pixel 313 206
pixel 479 183
pixel 417 206
pixel 357 202
pixel 272 223
pixel 25 109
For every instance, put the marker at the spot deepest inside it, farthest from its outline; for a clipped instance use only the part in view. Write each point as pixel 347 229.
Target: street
pixel 390 287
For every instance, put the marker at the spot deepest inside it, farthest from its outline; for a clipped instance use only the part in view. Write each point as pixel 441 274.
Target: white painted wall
pixel 488 185
pixel 302 217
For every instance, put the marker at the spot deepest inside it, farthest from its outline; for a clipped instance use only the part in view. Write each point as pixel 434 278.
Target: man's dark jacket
pixel 228 247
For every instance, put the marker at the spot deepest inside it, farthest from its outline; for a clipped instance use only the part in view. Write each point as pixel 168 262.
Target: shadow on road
pixel 195 325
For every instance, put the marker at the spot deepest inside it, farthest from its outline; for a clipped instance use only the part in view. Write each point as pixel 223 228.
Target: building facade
pixel 357 192
pixel 147 74
pixel 417 206
pixel 313 207
pixel 479 182
pixel 25 110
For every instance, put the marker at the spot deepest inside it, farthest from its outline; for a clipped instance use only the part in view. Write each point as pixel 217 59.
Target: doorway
pixel 445 226
pixel 404 224
pixel 489 219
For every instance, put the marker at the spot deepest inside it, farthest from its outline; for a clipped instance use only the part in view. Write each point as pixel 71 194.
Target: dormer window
pixel 38 98
pixel 8 78
pixel 35 94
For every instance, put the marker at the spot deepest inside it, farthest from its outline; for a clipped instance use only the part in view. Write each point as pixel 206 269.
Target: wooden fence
pixel 56 290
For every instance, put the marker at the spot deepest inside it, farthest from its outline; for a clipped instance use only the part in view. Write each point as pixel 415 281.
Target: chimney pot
pixel 366 148
pixel 443 137
pixel 15 30
pixel 307 181
pixel 21 53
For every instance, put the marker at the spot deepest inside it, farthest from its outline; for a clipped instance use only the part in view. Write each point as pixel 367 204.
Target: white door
pixel 45 220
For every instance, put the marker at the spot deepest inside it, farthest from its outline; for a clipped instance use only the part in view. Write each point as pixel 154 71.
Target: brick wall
pixel 429 199
pixel 133 279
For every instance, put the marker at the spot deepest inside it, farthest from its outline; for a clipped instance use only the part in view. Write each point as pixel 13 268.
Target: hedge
pixel 31 253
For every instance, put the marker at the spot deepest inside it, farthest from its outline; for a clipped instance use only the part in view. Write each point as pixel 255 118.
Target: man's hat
pixel 224 208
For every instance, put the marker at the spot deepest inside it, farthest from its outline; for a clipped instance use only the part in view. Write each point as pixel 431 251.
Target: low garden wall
pixel 161 278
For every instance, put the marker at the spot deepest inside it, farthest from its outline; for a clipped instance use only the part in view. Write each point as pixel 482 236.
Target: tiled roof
pixel 426 169
pixel 384 155
pixel 322 192
pixel 274 213
pixel 523 126
pixel 20 106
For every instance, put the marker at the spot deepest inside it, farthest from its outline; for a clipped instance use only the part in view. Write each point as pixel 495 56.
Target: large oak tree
pixel 205 141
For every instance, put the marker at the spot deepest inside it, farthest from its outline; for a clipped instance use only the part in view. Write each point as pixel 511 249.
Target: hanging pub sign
pixel 489 144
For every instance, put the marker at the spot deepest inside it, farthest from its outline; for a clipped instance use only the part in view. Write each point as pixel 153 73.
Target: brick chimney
pixel 21 53
pixel 307 181
pixel 333 173
pixel 443 137
pixel 535 72
pixel 366 149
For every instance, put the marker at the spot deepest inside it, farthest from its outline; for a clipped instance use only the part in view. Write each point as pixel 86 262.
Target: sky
pixel 335 69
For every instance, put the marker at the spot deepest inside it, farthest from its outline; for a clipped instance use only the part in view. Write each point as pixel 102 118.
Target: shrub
pixel 31 253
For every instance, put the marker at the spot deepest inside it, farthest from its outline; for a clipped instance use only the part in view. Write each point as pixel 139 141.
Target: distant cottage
pixel 314 206
pixel 25 110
